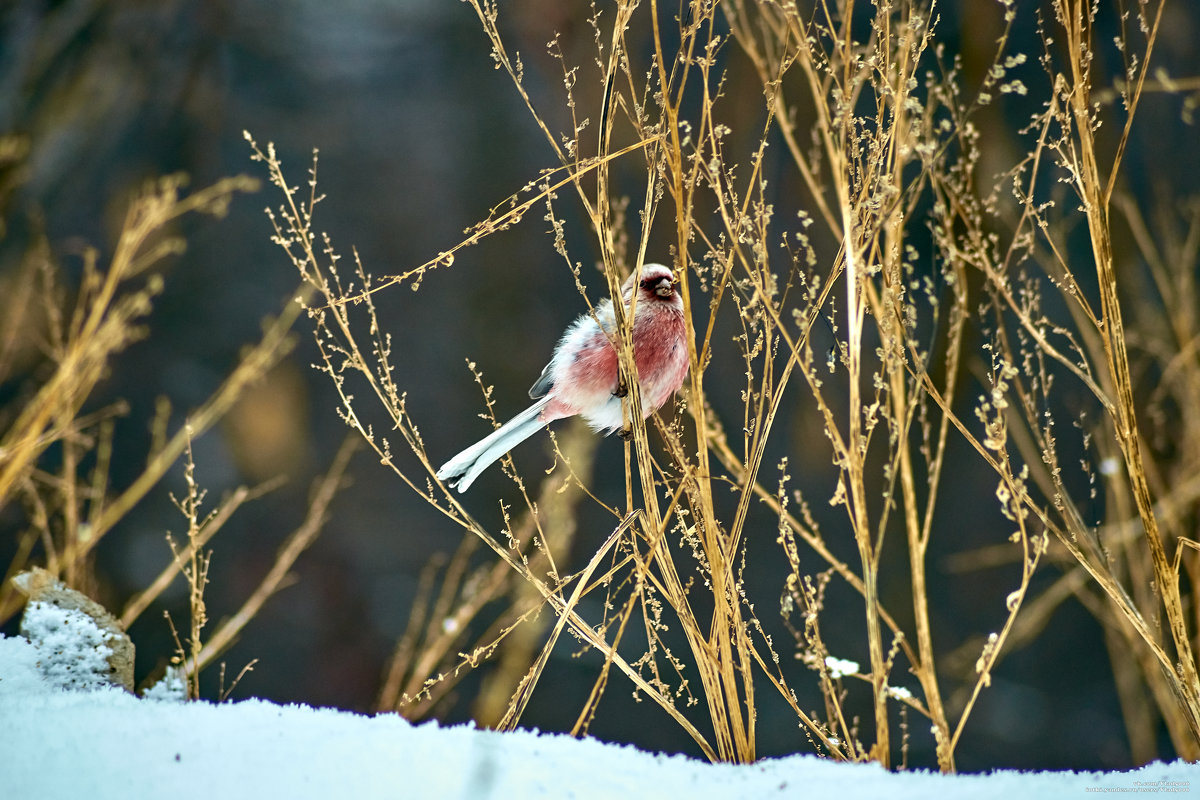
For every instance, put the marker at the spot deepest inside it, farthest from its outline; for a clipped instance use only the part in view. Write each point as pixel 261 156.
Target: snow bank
pixel 105 743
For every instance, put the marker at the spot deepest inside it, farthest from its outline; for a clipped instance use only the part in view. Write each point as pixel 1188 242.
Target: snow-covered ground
pixel 99 743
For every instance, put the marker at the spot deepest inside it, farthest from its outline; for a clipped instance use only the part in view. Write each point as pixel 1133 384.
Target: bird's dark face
pixel 657 282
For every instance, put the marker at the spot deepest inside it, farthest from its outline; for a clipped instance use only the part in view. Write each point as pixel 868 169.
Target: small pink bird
pixel 582 377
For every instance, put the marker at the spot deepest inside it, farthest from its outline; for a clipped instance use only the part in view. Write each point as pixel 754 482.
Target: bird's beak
pixel 664 288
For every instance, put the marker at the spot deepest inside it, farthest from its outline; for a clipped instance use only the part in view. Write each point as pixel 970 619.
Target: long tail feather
pixel 462 470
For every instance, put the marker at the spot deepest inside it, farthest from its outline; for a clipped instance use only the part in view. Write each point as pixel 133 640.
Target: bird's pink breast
pixel 660 350
pixel 586 385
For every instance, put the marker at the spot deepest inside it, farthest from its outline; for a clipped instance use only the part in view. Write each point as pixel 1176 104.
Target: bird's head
pixel 655 284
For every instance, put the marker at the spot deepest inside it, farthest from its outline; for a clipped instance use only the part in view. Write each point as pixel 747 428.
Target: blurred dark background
pixel 419 136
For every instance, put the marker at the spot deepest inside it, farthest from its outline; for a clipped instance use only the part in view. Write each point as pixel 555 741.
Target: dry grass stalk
pixel 196 651
pixel 277 576
pixel 193 561
pixel 72 511
pixel 879 128
pixel 434 654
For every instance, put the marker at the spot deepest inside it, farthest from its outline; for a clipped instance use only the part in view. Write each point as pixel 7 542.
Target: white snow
pixel 73 650
pixel 840 667
pixel 171 687
pixel 106 743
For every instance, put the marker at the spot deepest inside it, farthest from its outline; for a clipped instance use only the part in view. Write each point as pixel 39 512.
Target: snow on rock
pixel 80 645
pixel 106 743
pixel 73 652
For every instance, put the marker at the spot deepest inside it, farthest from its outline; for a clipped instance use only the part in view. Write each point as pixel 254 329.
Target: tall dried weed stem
pixel 50 421
pixel 72 511
pixel 922 269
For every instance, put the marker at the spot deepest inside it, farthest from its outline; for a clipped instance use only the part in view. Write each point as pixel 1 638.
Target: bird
pixel 583 378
